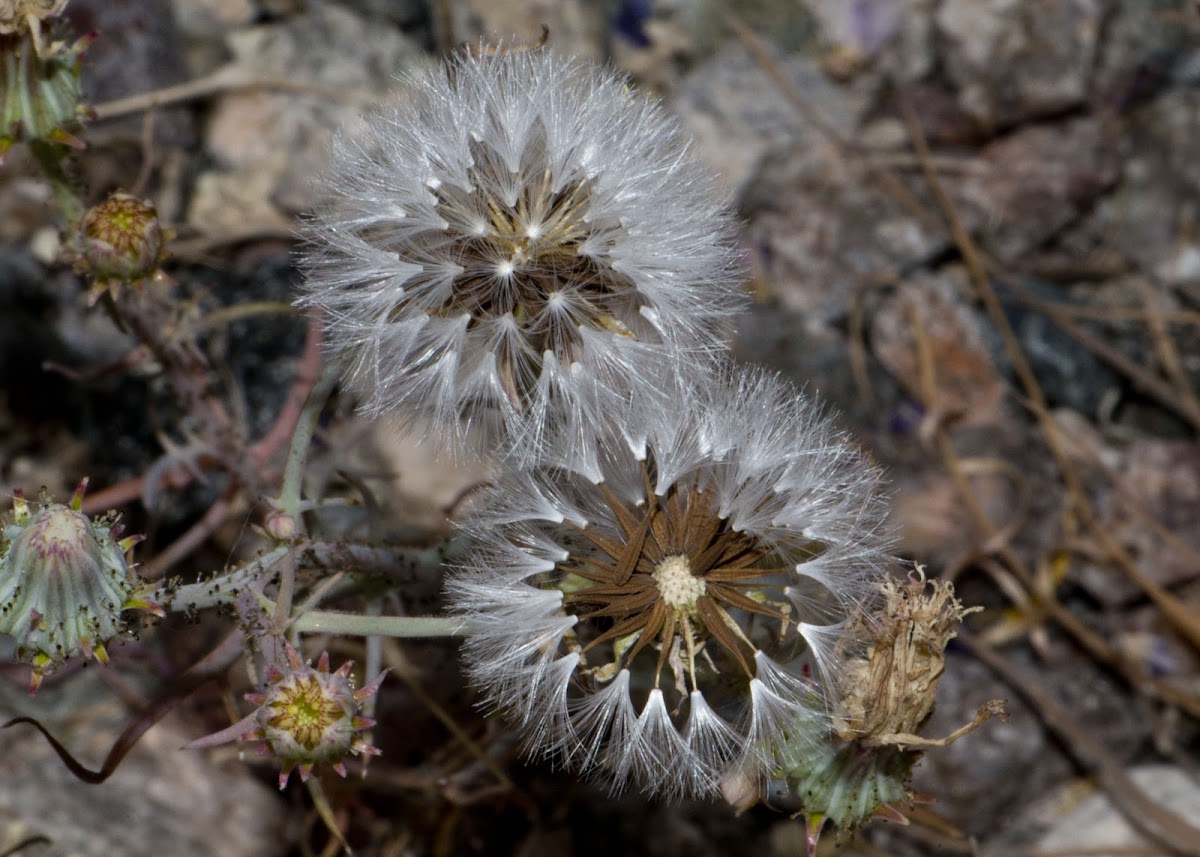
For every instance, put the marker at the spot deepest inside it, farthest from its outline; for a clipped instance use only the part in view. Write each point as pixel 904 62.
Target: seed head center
pixel 679 587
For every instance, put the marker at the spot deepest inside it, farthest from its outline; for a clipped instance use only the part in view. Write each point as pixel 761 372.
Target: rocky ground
pixel 973 227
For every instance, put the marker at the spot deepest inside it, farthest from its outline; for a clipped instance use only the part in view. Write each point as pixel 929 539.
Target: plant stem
pixel 219 590
pixel 406 565
pixel 293 473
pixel 359 625
pixel 49 158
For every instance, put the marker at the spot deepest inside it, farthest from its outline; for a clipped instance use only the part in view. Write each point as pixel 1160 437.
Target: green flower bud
pixel 64 583
pixel 845 782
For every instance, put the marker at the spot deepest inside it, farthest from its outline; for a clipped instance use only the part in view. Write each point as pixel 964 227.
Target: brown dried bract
pixel 21 14
pixel 18 16
pixel 888 692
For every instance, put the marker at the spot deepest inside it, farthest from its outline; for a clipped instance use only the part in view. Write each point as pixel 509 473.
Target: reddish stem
pixel 306 376
pixel 260 452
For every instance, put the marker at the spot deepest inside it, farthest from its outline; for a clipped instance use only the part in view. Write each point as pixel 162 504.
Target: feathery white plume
pixel 677 613
pixel 516 244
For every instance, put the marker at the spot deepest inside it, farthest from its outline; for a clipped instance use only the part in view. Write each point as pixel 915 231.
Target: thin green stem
pixel 218 590
pixel 293 473
pixel 237 312
pixel 358 625
pixel 407 565
pixel 49 158
pixel 287 589
pixel 374 660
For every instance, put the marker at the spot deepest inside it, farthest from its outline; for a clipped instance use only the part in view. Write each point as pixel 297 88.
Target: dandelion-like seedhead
pixel 517 241
pixel 675 616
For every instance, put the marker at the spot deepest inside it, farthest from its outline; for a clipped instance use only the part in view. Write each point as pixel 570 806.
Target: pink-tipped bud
pixel 280 525
pixel 308 716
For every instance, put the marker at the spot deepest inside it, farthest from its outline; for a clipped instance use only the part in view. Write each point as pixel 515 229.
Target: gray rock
pixel 211 18
pixel 1146 45
pixel 1094 824
pixel 983 779
pixel 816 359
pixel 1035 182
pixel 895 37
pixel 820 228
pixel 1068 372
pixel 738 116
pixel 576 27
pixel 1148 217
pixel 403 13
pixel 1162 477
pixel 138 48
pixel 1013 61
pixel 269 145
pixel 160 799
pixel 966 386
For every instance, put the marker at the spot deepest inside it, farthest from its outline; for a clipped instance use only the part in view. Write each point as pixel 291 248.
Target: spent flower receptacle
pixel 41 98
pixel 891 663
pixel 27 17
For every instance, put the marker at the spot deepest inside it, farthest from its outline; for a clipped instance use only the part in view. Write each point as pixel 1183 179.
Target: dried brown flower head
pixel 17 15
pixel 888 692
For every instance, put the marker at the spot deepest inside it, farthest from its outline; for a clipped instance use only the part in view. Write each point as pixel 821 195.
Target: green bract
pixel 64 583
pixel 40 94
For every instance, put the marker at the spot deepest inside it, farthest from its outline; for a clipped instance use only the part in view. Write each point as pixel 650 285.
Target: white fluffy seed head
pixel 521 239
pixel 676 612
